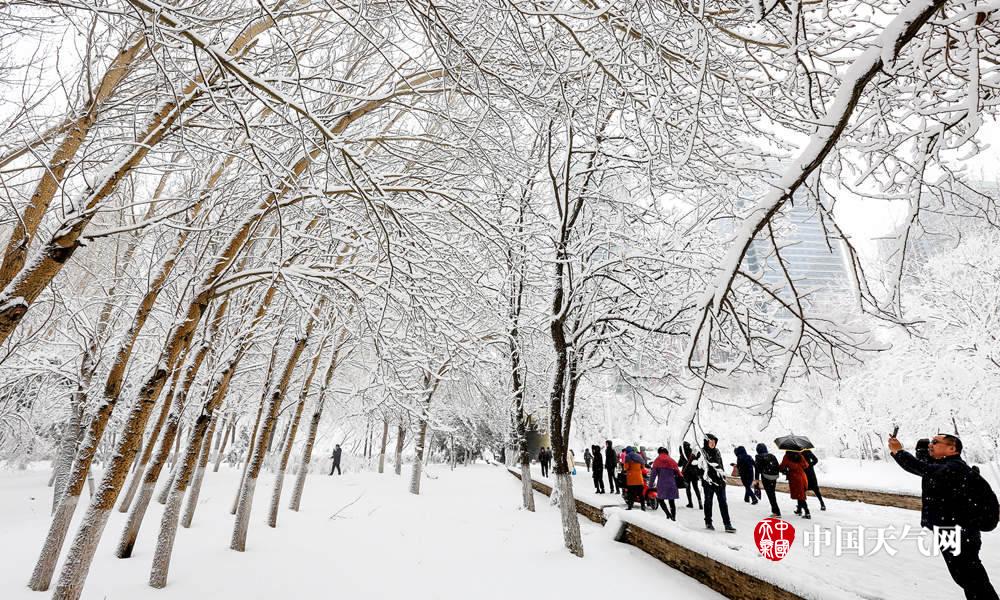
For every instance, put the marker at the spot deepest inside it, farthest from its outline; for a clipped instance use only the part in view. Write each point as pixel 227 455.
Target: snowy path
pixel 464 536
pixel 906 575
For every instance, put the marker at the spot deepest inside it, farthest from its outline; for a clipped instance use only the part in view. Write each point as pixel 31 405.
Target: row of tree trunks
pixel 200 435
pixel 152 471
pixel 152 438
pixel 293 426
pixel 270 417
pixel 265 388
pixel 90 439
pixel 300 478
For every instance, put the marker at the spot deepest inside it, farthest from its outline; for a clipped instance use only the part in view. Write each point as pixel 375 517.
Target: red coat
pixel 794 465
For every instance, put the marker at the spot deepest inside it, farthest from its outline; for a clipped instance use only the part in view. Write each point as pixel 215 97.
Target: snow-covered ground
pixel 905 575
pixel 464 536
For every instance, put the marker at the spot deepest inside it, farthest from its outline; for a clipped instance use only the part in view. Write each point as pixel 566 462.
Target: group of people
pixel 702 474
pixel 954 495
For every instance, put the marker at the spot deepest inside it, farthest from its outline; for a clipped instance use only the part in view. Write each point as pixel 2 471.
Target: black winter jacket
pixel 942 487
pixel 610 458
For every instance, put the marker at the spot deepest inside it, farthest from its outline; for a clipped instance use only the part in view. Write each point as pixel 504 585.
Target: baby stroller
pixel 649 496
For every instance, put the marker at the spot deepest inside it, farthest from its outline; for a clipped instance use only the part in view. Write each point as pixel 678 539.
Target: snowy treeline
pixel 410 227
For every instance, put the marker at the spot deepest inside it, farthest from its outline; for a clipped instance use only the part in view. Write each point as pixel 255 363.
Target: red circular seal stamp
pixel 774 538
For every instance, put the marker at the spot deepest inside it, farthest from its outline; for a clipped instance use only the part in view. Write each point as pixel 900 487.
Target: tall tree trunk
pixel 430 384
pixel 560 439
pixel 385 442
pixel 168 523
pixel 68 442
pixel 227 435
pixel 199 476
pixel 400 440
pixel 200 434
pixel 154 436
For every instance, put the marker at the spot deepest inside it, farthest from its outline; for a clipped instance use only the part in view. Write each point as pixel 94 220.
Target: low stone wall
pixel 594 513
pixel 868 497
pixel 722 578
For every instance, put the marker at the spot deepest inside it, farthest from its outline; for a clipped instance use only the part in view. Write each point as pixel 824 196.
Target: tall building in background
pixel 816 259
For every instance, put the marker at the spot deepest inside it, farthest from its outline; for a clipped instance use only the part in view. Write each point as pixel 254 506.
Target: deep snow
pixel 463 536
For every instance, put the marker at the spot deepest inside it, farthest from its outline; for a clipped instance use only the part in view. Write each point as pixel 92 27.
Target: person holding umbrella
pixel 794 466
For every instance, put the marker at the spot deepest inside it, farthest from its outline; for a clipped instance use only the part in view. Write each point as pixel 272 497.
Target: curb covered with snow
pixel 734 573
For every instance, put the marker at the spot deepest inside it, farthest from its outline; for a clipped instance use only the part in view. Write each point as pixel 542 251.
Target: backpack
pixel 770 464
pixel 982 510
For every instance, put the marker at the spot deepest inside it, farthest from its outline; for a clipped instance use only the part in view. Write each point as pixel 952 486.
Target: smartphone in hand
pixel 895 430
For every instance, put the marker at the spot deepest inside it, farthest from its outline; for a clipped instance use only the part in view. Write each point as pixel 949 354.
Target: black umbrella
pixel 795 443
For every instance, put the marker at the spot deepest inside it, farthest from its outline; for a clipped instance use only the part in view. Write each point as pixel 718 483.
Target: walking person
pixel 571 456
pixel 692 472
pixel 745 468
pixel 811 481
pixel 587 457
pixel 598 470
pixel 793 465
pixel 633 478
pixel 664 475
pixel 954 496
pixel 336 460
pixel 766 465
pixel 611 465
pixel 713 480
pixel 544 459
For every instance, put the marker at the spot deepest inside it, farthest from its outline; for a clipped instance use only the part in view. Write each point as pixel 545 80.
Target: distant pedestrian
pixel 745 469
pixel 572 461
pixel 954 496
pixel 793 465
pixel 811 481
pixel 336 460
pixel 664 475
pixel 611 465
pixel 713 480
pixel 766 465
pixel 545 460
pixel 598 470
pixel 587 457
pixel 633 478
pixel 692 473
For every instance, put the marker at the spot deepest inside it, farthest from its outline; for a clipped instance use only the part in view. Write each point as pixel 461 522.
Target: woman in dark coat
pixel 664 476
pixel 744 465
pixel 793 465
pixel 692 472
pixel 811 477
pixel 598 469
